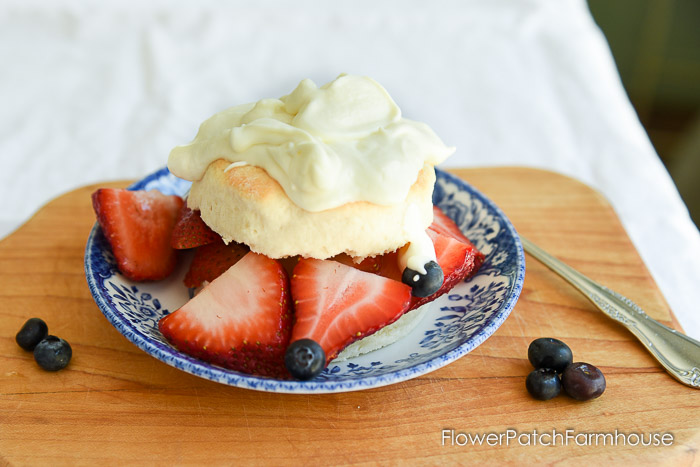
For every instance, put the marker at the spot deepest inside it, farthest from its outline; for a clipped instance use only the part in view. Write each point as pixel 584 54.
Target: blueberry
pixel 547 352
pixel 305 359
pixel 424 285
pixel 543 384
pixel 583 381
pixel 53 353
pixel 33 331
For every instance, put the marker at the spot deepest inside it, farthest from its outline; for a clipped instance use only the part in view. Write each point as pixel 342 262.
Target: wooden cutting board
pixel 116 404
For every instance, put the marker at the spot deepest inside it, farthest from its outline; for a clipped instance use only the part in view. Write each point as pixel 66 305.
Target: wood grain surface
pixel 114 404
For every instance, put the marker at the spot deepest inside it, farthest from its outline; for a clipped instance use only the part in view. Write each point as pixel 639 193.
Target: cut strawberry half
pixel 442 224
pixel 336 304
pixel 458 258
pixel 241 321
pixel 386 265
pixel 190 231
pixel 369 264
pixel 138 226
pixel 459 261
pixel 212 260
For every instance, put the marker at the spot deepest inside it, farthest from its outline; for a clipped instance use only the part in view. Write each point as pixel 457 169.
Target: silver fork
pixel 678 353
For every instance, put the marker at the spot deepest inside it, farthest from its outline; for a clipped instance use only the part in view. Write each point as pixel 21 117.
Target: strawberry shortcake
pixel 313 224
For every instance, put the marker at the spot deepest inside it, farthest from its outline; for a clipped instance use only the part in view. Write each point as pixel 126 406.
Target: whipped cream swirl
pixel 343 142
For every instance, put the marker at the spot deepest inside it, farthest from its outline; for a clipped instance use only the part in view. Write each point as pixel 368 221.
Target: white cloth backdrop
pixel 92 92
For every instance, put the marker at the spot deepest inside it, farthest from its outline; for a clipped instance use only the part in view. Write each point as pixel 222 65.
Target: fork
pixel 677 353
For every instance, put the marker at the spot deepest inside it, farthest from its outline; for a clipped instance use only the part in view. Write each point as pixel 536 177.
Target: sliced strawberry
pixel 442 224
pixel 241 321
pixel 457 259
pixel 336 304
pixel 190 231
pixel 369 264
pixel 138 226
pixel 386 265
pixel 212 260
pixel 289 263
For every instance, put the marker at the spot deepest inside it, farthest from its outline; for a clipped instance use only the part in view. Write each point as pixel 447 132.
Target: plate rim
pixel 233 378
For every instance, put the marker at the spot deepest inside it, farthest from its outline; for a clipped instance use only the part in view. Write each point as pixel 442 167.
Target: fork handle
pixel 678 353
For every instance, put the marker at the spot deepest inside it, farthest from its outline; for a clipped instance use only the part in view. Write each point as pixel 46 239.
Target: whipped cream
pixel 343 142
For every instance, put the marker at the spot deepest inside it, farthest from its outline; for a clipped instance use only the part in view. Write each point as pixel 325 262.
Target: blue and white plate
pixel 454 324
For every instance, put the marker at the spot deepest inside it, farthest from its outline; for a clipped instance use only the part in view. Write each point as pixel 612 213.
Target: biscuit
pixel 244 204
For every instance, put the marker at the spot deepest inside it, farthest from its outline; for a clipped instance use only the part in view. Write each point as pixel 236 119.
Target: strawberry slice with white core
pixel 138 227
pixel 336 304
pixel 241 320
